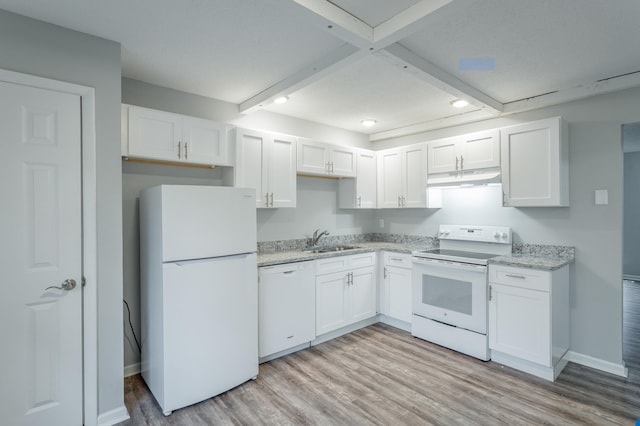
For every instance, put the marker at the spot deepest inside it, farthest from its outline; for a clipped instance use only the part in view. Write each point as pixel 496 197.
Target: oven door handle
pixel 448 264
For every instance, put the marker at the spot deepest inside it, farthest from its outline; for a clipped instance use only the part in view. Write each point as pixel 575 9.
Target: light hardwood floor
pixel 384 376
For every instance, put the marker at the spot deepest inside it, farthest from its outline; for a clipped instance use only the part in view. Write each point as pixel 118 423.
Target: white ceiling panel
pixel 370 88
pixel 225 49
pixel 537 46
pixel 328 55
pixel 374 12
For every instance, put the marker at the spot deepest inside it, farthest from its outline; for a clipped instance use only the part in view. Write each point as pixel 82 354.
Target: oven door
pixel 450 292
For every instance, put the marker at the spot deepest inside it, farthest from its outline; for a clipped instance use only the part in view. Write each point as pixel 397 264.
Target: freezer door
pixel 207 221
pixel 210 327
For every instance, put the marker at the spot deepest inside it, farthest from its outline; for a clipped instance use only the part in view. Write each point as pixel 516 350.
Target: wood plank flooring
pixel 383 376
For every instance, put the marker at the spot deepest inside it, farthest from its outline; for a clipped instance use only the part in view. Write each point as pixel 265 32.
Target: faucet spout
pixel 316 237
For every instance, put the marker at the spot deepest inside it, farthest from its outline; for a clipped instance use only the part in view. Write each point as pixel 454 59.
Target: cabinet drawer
pixel 533 279
pixel 343 263
pixel 400 260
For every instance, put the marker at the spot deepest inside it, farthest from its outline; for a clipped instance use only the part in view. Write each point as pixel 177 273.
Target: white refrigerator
pixel 199 291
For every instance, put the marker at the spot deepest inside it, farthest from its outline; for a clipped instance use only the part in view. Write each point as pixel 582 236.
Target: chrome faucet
pixel 316 237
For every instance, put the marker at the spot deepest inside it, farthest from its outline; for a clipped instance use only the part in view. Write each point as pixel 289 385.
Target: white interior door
pixel 41 329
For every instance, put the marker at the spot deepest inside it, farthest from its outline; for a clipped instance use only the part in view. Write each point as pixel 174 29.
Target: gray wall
pixel 631 235
pixel 34 47
pixel 595 153
pixel 317 198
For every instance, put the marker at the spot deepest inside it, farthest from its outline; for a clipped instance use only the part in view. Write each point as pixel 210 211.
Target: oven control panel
pixel 485 234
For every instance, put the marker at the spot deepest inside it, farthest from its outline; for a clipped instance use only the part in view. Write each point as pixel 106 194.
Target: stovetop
pixel 455 255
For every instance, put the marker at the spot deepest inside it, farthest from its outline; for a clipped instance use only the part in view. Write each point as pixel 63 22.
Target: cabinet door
pixel 366 179
pixel 313 157
pixel 250 170
pixel 343 161
pixel 535 165
pixel 480 150
pixel 414 176
pixel 331 302
pixel 389 178
pixel 398 282
pixel 362 294
pixel 282 171
pixel 205 141
pixel 519 323
pixel 443 156
pixel 155 134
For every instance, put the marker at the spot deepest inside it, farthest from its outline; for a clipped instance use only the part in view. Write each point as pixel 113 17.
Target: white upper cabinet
pixel 465 153
pixel 266 162
pixel 321 159
pixel 360 193
pixel 402 177
pixel 535 164
pixel 164 136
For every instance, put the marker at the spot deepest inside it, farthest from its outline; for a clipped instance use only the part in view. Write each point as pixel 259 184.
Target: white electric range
pixel 450 287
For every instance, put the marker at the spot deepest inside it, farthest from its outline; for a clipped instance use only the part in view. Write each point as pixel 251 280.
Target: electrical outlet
pixel 381 223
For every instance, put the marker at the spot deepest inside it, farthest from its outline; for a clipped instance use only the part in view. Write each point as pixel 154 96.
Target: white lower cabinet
pixel 529 319
pixel 395 287
pixel 345 291
pixel 286 307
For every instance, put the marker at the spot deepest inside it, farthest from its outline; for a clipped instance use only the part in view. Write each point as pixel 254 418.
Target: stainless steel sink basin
pixel 331 249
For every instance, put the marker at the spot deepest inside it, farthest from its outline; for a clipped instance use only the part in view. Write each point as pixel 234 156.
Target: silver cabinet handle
pixel 399 201
pixel 461 162
pixel 395 259
pixel 326 167
pixel 266 199
pixel 332 167
pixel 520 277
pixel 351 278
pixel 385 272
pixel 359 201
pixel 456 163
pixel 186 152
pixel 272 199
pixel 68 284
pixel 490 293
pixel 179 149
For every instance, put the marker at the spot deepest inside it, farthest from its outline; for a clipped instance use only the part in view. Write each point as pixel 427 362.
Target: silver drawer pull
pixel 516 276
pixel 395 259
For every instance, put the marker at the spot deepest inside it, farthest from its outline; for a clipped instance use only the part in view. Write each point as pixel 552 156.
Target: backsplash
pixel 541 250
pixel 331 240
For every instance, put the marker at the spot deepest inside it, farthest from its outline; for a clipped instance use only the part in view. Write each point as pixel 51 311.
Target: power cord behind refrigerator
pixel 131 326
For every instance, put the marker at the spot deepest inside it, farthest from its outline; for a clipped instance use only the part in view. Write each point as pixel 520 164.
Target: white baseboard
pixel 132 369
pixel 598 364
pixel 393 322
pixel 113 417
pixel 631 277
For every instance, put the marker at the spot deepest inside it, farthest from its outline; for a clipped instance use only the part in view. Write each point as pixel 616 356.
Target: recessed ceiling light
pixel 281 100
pixel 459 103
pixel 368 122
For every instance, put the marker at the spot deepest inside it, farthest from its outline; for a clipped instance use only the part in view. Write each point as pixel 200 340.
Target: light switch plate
pixel 601 196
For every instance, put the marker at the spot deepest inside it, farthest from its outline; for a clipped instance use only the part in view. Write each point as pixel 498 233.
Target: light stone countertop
pixel 531 261
pixel 545 261
pixel 279 257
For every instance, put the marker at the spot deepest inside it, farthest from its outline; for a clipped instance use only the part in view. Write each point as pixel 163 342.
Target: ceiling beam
pixel 337 59
pixel 405 23
pixel 336 21
pixel 428 72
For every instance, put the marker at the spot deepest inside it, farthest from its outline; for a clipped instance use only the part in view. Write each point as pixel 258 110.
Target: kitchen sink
pixel 331 249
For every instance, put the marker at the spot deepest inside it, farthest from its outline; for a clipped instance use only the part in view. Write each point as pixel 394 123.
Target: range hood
pixel 465 178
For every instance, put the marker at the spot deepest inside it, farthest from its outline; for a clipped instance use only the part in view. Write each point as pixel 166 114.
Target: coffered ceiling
pixel 398 62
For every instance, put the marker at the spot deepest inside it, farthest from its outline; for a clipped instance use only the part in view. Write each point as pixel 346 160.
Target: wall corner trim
pixel 598 364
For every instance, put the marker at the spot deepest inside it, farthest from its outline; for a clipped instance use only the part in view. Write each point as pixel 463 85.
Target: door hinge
pixel 84 281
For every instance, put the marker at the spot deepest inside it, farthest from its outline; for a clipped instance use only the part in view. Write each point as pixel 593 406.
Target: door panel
pixel 40 180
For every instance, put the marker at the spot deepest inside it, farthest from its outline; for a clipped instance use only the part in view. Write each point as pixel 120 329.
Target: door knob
pixel 69 284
